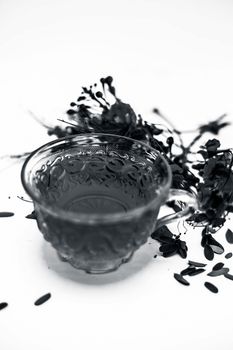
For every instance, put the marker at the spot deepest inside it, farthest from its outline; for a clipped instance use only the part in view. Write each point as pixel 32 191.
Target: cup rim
pixel 93 218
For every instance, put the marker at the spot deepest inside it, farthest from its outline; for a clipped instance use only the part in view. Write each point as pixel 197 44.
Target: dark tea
pixel 97 184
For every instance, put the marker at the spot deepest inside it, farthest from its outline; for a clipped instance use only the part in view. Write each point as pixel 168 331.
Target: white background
pixel 176 55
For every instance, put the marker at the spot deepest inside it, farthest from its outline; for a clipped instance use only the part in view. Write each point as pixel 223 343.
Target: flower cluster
pixel 98 109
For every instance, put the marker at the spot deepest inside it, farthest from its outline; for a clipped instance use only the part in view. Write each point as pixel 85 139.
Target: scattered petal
pixel 168 254
pixel 6 214
pixel 228 276
pixel 187 271
pixel 218 266
pixel 196 272
pixel 165 239
pixel 3 305
pixel 169 247
pixel 182 253
pixel 32 215
pixel 42 299
pixel 196 264
pixel 212 288
pixel 229 236
pixel 162 232
pixel 219 272
pixel 181 279
pixel 216 246
pixel 208 252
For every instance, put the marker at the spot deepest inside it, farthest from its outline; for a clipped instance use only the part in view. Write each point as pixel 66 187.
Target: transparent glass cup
pixel 97 197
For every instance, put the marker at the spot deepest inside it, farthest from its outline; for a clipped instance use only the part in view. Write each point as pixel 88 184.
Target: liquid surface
pixel 98 184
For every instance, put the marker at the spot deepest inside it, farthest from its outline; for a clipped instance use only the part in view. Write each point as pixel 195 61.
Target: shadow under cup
pixel 96 197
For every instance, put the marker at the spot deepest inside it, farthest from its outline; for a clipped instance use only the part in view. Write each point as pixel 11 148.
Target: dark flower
pixel 214 127
pixel 170 244
pixel 212 146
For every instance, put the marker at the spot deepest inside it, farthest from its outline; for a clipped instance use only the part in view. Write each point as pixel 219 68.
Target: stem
pixel 177 132
pixel 64 121
pixel 222 116
pixel 16 156
pixel 189 131
pixel 38 120
pixel 193 141
pixel 24 200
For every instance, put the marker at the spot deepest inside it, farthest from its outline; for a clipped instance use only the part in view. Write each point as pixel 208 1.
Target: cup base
pixel 95 270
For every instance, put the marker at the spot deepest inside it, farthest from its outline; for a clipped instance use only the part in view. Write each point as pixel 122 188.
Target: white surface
pixel 175 55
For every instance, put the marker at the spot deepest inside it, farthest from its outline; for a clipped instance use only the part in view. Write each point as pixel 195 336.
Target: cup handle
pixel 190 201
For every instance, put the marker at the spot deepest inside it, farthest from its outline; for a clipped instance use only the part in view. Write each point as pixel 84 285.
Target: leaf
pixel 229 236
pixel 212 288
pixel 208 252
pixel 181 279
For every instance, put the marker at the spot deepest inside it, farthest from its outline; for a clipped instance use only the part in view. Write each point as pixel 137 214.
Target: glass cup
pixel 97 197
